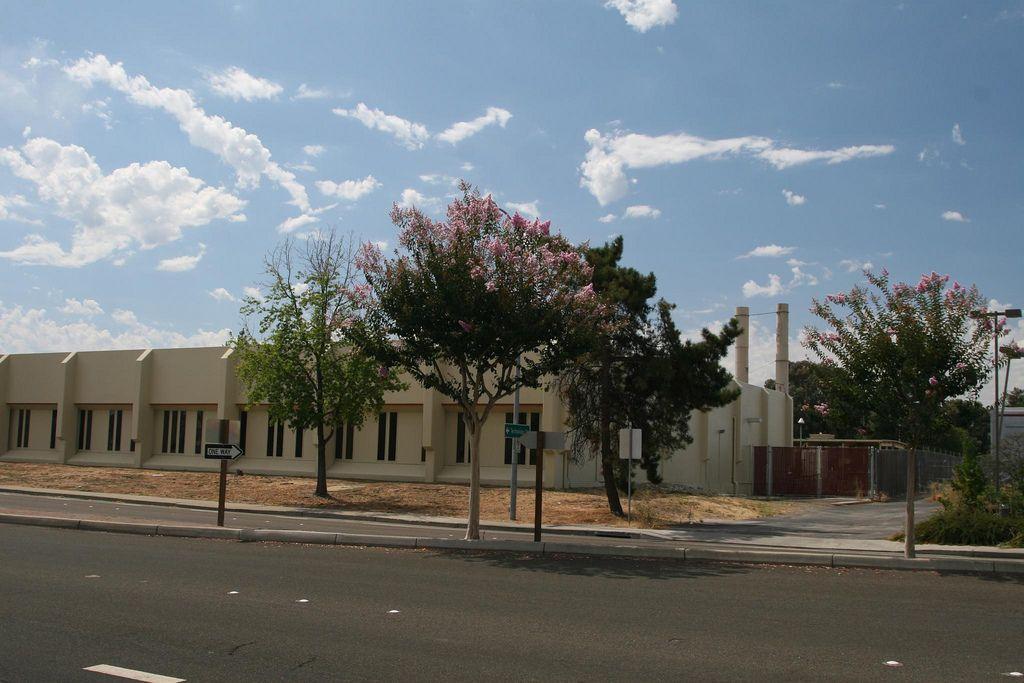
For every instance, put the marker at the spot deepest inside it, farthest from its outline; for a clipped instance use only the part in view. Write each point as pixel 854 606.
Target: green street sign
pixel 514 431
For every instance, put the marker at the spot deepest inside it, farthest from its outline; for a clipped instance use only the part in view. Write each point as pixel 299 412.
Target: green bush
pixel 963 525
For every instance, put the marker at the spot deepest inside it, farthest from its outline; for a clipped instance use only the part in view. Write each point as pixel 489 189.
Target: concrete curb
pixel 252 508
pixel 724 555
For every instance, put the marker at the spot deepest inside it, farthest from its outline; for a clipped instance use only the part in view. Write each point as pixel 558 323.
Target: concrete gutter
pixel 682 554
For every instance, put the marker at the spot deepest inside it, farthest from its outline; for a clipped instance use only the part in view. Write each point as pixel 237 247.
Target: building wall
pixel 184 388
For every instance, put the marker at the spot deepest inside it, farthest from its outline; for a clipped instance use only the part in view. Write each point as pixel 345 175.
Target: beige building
pixel 146 408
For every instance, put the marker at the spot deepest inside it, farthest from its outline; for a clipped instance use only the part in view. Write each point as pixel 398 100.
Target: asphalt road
pixel 76 599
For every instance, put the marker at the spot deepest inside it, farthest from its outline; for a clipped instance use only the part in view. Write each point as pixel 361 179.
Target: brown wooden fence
pixel 821 471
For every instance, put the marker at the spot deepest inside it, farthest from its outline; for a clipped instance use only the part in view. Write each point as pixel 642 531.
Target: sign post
pixel 630 446
pixel 514 431
pixel 554 441
pixel 222 438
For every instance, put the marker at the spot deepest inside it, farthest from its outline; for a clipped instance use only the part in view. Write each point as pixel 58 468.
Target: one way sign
pixel 223 451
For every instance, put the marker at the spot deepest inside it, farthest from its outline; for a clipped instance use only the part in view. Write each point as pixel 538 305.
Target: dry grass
pixel 652 507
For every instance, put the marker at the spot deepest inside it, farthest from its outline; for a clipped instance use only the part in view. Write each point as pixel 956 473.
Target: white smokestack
pixel 743 345
pixel 782 348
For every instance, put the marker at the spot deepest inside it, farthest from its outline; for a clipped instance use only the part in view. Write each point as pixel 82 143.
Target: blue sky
pixel 828 134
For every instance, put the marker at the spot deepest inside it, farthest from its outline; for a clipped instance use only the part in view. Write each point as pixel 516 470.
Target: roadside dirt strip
pixel 819 559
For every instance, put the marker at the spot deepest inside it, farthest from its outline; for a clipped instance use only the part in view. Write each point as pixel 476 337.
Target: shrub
pixel 963 525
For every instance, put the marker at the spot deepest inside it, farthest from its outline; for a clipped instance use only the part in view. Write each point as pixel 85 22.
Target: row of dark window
pixel 115 421
pixel 463 447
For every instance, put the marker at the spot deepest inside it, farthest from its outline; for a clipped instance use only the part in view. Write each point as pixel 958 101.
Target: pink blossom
pixel 933 381
pixel 466 327
pixel 383 372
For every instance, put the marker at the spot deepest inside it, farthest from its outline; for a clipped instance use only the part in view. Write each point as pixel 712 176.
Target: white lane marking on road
pixel 1015 674
pixel 232 592
pixel 302 600
pixel 893 663
pixel 92 576
pixel 394 611
pixel 132 674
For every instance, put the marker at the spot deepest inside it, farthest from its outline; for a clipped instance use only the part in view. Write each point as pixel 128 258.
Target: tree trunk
pixel 473 526
pixel 321 463
pixel 607 458
pixel 908 541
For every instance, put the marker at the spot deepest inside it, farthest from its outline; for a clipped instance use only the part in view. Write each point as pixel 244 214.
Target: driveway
pixel 824 525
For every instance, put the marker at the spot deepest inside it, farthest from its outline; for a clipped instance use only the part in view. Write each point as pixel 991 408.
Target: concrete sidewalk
pixel 150 514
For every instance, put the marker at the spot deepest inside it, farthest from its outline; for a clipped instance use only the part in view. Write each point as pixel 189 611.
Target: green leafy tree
pixel 300 358
pixel 824 401
pixel 639 373
pixel 1015 398
pixel 905 350
pixel 964 427
pixel 470 295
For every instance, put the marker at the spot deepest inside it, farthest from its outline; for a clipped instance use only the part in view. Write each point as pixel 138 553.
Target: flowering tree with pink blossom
pixel 466 296
pixel 903 350
pixel 300 358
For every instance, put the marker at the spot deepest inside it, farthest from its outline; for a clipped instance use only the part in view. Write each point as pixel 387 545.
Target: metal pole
pixel 538 499
pixel 818 468
pixel 871 472
pixel 514 483
pixel 768 472
pixel 222 437
pixel 995 405
pixel 629 482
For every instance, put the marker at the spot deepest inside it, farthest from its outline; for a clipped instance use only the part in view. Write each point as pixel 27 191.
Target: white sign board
pixel 553 441
pixel 629 444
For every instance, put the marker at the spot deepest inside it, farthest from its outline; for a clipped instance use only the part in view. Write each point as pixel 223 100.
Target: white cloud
pixel 236 147
pixel 463 129
pixel 314 150
pixel 955 216
pixel 958 135
pixel 253 293
pixel 308 168
pixel 854 265
pixel 928 155
pixel 466 166
pixel 800 277
pixel 295 222
pixel 33 330
pixel 607 218
pixel 525 208
pixel 180 264
pixel 769 250
pixel 381 244
pixel 85 307
pixel 603 171
pixel 15 201
pixel 239 84
pixel 306 92
pixel 101 110
pixel 439 179
pixel 643 15
pixel 411 198
pixel 835 85
pixel 879 206
pixel 773 288
pixel 410 134
pixel 221 294
pixel 794 199
pixel 141 204
pixel 785 157
pixel 641 211
pixel 350 190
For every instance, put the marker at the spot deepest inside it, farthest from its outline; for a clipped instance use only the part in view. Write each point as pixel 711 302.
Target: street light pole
pixel 801 423
pixel 997 423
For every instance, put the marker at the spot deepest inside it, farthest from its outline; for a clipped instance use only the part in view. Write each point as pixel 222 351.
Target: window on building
pixel 462 449
pixel 53 429
pixel 532 419
pixel 298 443
pixel 84 429
pixel 387 436
pixel 339 440
pixel 199 432
pixel 173 440
pixel 350 438
pixel 275 439
pixel 24 422
pixel 114 423
pixel 243 427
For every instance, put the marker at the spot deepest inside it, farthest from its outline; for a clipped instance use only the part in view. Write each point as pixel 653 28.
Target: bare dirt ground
pixel 652 507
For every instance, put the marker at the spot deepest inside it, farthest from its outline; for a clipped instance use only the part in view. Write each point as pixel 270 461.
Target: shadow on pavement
pixel 603 567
